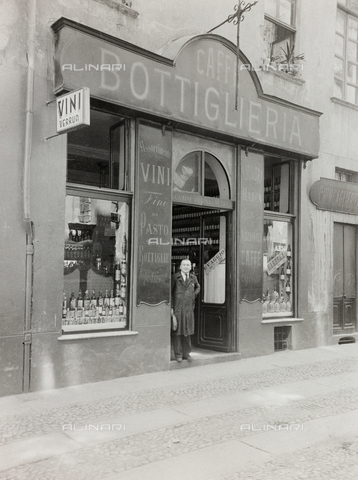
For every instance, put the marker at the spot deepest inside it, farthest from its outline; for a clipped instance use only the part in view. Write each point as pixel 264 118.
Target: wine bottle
pixel 111 300
pixel 87 302
pixel 64 306
pixel 72 302
pixel 94 299
pixel 288 285
pixel 80 300
pixel 117 272
pixel 282 276
pixel 106 299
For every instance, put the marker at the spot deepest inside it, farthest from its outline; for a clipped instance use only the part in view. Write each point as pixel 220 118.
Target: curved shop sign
pixel 335 196
pixel 196 88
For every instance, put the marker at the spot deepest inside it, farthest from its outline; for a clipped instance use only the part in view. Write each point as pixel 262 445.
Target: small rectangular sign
pixel 276 262
pixel 73 110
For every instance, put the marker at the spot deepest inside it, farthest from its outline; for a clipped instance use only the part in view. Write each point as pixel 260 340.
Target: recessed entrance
pixel 202 236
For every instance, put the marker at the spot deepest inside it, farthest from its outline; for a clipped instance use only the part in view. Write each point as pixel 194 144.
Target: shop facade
pixel 166 169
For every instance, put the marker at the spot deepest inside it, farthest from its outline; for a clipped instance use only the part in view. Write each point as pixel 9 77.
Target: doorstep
pixel 202 356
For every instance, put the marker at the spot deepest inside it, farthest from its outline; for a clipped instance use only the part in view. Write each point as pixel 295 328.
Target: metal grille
pixel 282 338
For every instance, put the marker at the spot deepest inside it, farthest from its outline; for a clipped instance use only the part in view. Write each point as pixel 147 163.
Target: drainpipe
pixel 26 190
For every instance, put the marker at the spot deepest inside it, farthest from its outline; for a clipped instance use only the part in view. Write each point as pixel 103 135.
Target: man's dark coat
pixel 183 302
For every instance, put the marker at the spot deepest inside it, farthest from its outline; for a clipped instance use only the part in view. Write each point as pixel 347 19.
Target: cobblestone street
pixel 290 415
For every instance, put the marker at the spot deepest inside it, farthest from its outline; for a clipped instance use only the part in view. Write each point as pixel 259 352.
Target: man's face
pixel 185 266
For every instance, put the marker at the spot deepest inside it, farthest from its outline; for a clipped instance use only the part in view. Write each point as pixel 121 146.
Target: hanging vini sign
pixel 73 110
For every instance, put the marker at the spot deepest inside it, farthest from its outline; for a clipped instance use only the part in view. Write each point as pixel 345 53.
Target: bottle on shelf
pixel 64 306
pixel 100 303
pixel 264 304
pixel 94 299
pixel 87 302
pixel 79 301
pixel 123 290
pixel 282 275
pixel 288 269
pixel 288 285
pixel 282 303
pixel 106 299
pixel 117 272
pixel 72 302
pixel 111 300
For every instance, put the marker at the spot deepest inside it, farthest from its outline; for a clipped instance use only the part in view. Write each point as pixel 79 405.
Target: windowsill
pixel 284 76
pixel 284 319
pixel 79 336
pixel 344 103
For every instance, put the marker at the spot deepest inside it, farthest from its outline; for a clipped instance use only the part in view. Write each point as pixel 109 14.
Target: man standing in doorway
pixel 185 288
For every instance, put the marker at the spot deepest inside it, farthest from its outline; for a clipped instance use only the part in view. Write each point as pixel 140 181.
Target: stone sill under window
pixel 284 320
pixel 121 6
pixel 94 334
pixel 344 103
pixel 284 76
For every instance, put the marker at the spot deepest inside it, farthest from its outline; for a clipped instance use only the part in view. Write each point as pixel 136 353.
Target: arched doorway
pixel 201 230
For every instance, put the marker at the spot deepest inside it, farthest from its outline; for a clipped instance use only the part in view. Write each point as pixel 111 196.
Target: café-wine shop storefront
pixel 168 169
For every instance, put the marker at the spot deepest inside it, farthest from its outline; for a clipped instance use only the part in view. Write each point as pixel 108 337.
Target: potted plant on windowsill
pixel 288 62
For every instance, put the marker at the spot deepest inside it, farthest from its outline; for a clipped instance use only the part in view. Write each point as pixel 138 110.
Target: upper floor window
pixel 346 175
pixel 279 30
pixel 346 51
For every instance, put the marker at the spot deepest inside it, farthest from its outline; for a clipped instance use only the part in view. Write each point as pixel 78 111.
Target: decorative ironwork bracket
pixel 236 18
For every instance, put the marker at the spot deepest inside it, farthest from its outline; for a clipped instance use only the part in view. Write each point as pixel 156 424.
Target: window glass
pixel 285 11
pixel 339 46
pixel 346 55
pixel 277 268
pixel 187 174
pixel 276 186
pixel 96 154
pixel 214 255
pixel 282 10
pixel 95 264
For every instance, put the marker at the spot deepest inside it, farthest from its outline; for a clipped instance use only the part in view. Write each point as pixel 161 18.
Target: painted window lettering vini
pixel 154 196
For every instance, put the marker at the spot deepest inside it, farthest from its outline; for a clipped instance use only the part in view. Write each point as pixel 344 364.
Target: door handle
pixel 344 295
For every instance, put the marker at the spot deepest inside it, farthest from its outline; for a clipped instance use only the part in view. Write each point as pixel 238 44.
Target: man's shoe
pixel 189 358
pixel 178 359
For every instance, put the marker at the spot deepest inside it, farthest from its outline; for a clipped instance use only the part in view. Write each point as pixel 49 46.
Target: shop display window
pixel 277 268
pixel 277 186
pixel 95 295
pixel 97 154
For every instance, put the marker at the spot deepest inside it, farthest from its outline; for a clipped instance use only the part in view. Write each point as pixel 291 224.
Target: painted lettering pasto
pixel 154 227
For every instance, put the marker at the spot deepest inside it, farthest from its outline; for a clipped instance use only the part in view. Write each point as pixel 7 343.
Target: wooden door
pixel 214 331
pixel 344 279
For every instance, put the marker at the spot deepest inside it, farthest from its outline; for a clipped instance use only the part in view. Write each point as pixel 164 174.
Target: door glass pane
pixel 214 258
pixel 338 260
pixel 187 174
pixel 95 264
pixel 349 285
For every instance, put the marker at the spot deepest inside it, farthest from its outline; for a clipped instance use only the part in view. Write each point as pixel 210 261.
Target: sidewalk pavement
pixel 290 415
